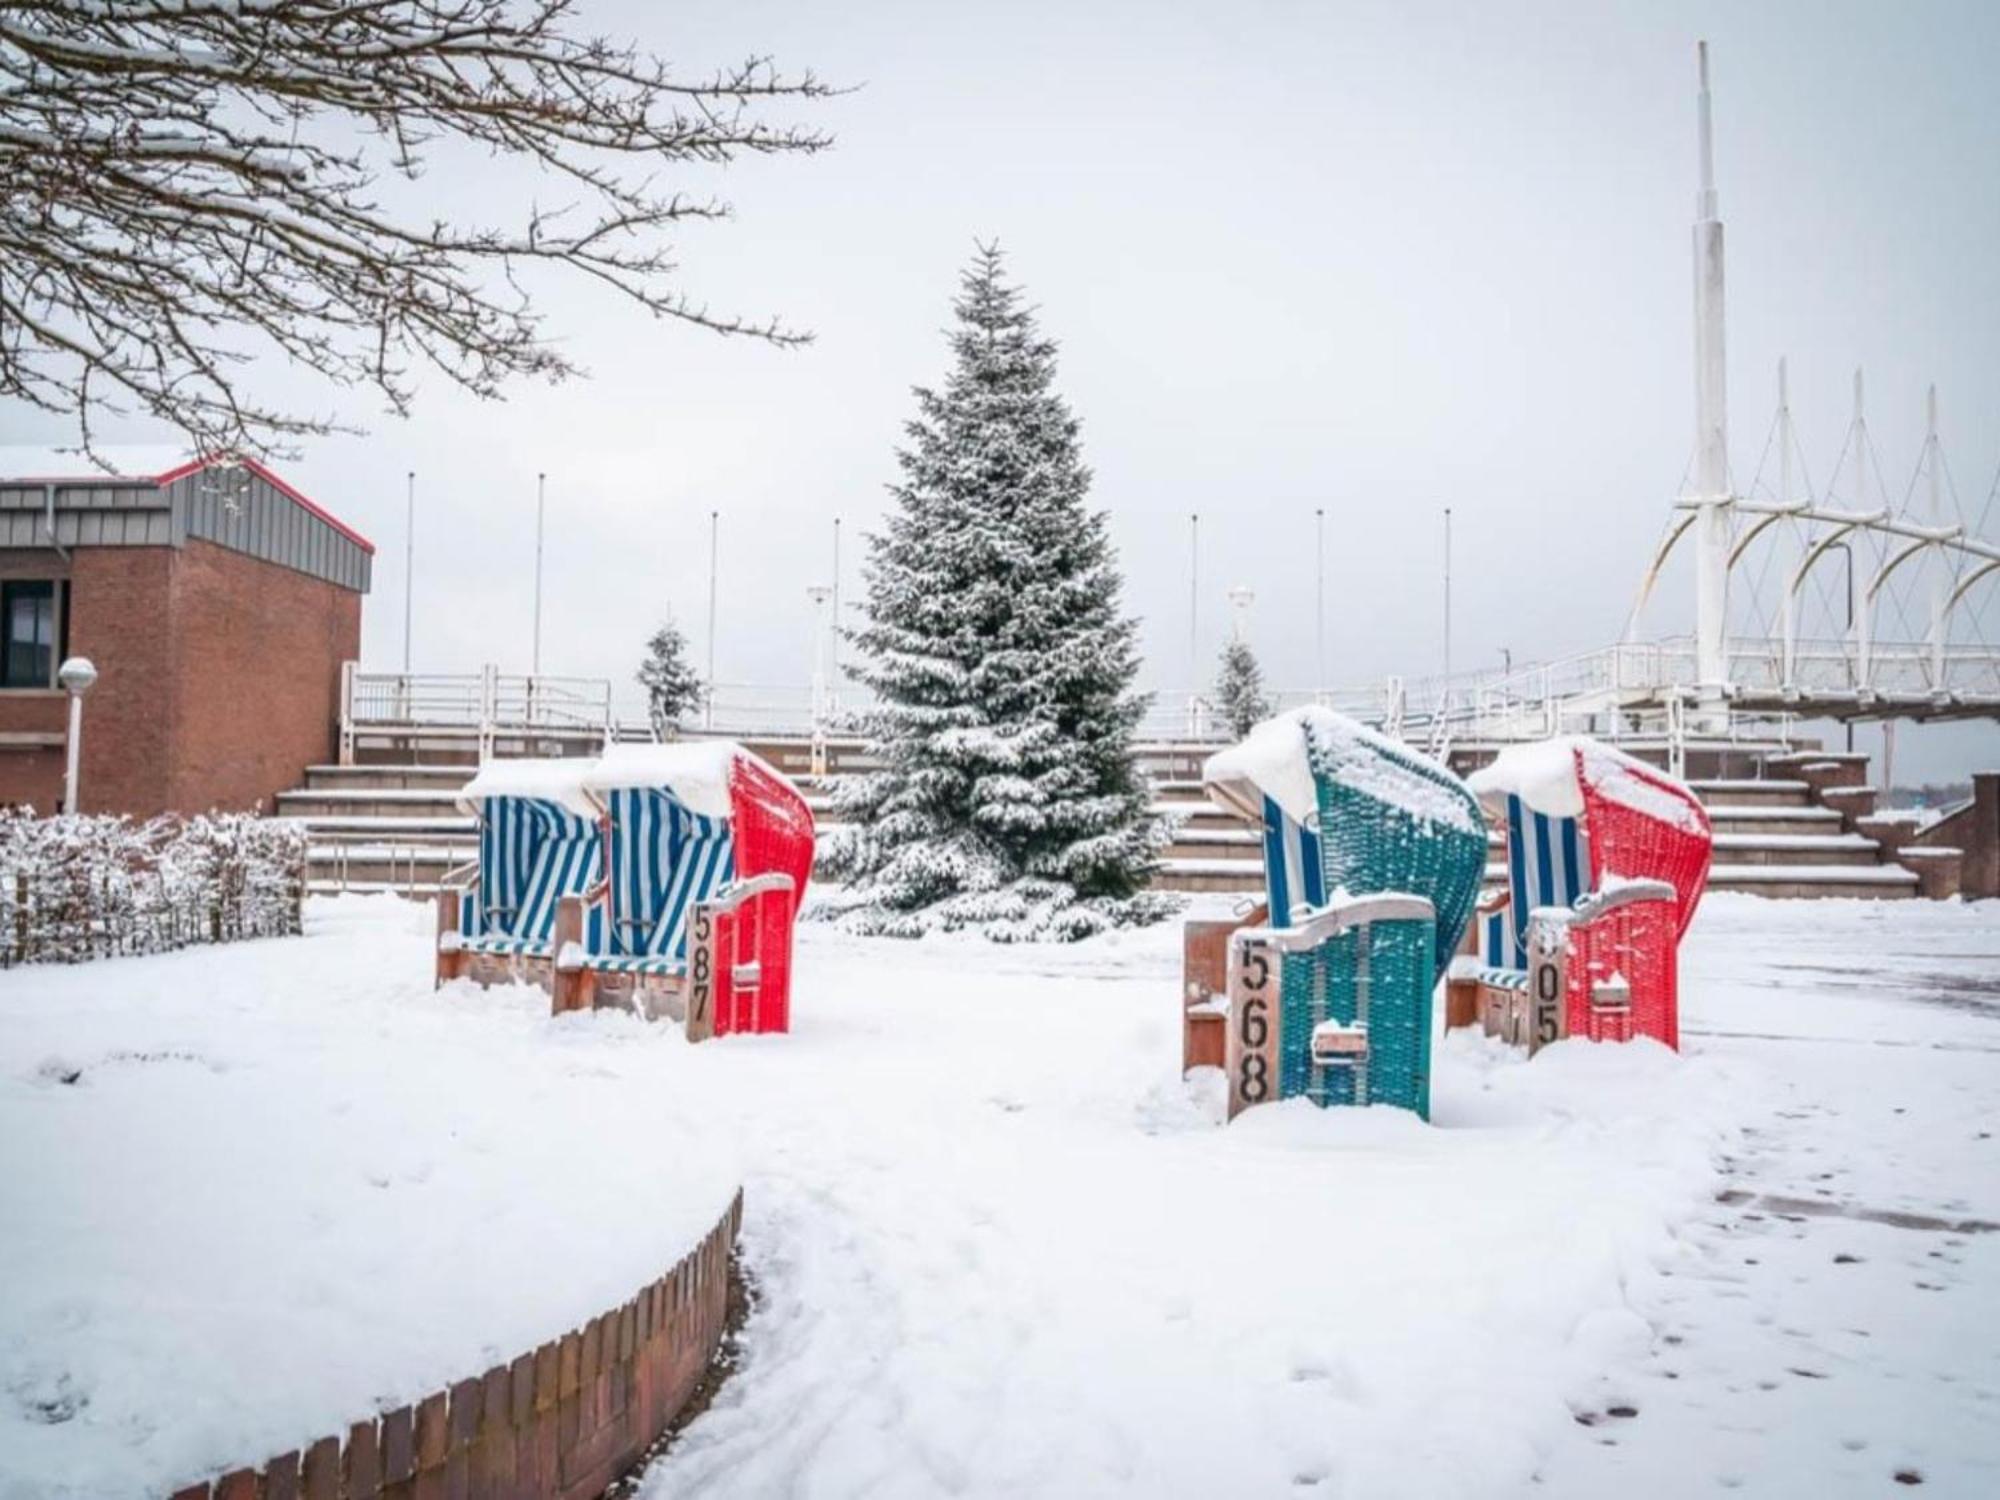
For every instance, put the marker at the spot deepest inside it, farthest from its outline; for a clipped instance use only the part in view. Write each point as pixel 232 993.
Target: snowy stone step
pixel 1780 820
pixel 424 829
pixel 1733 794
pixel 1795 849
pixel 1210 875
pixel 385 777
pixel 1812 881
pixel 374 802
pixel 1216 843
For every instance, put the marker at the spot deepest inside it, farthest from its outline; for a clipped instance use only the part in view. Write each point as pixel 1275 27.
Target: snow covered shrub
pixel 85 886
pixel 1002 668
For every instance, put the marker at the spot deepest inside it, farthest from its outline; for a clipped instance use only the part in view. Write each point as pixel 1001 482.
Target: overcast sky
pixel 1376 258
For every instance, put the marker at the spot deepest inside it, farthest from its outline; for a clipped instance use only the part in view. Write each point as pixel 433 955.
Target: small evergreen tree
pixel 1239 688
pixel 1001 665
pixel 672 688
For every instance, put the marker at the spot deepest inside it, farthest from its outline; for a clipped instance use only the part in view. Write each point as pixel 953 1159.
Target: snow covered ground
pixel 1004 1250
pixel 250 1193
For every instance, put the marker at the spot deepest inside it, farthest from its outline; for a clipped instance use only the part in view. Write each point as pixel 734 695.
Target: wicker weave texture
pixel 1369 846
pixel 1394 1005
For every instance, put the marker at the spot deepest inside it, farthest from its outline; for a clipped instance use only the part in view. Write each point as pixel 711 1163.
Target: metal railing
pixel 482 705
pixel 1644 688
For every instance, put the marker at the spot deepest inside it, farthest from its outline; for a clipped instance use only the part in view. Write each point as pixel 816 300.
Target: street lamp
pixel 77 676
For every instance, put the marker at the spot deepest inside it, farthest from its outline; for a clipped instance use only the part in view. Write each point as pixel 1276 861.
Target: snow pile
pixel 84 886
pixel 1544 775
pixel 557 779
pixel 695 771
pixel 251 1194
pixel 1281 757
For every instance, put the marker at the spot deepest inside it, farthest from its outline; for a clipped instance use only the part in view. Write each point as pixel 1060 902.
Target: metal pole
pixel 1713 520
pixel 1319 554
pixel 409 562
pixel 75 751
pixel 1194 597
pixel 1788 625
pixel 1447 595
pixel 833 671
pixel 1941 585
pixel 708 704
pixel 1859 624
pixel 541 506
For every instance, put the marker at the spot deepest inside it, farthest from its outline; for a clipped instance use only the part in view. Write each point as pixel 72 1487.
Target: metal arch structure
pixel 1858 675
pixel 1861 674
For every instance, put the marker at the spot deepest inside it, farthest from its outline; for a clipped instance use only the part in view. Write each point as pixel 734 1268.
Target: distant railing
pixel 1639 688
pixel 482 705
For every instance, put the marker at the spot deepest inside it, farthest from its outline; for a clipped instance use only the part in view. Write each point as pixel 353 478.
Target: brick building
pixel 217 603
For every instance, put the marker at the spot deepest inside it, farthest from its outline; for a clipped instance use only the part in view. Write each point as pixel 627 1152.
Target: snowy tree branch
pixel 188 183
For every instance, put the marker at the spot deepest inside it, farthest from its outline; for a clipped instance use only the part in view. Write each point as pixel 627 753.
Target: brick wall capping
pixel 522 1430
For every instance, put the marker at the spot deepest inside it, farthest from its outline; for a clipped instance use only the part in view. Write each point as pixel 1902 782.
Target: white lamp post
pixel 78 676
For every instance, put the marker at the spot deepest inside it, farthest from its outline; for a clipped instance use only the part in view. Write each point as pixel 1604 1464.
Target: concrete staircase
pixel 390 824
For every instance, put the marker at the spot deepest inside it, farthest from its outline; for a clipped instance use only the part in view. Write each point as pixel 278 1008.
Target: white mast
pixel 1713 521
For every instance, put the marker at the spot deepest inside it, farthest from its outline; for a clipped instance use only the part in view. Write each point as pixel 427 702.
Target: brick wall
pixel 32 730
pixel 120 617
pixel 561 1422
pixel 219 682
pixel 256 676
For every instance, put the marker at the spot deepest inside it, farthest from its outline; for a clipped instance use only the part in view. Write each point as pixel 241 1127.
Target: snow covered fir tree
pixel 673 691
pixel 1001 663
pixel 1239 688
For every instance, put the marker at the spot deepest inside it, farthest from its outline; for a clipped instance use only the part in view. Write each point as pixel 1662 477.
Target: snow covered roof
pixel 1545 777
pixel 556 780
pixel 147 461
pixel 695 771
pixel 1278 757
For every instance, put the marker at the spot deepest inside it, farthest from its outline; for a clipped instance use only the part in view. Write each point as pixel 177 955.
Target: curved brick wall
pixel 561 1422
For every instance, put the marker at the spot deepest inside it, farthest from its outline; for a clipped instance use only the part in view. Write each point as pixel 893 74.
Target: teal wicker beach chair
pixel 1373 856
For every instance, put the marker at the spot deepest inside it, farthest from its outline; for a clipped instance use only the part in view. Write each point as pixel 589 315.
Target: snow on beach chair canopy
pixel 1607 858
pixel 1372 858
pixel 710 849
pixel 539 841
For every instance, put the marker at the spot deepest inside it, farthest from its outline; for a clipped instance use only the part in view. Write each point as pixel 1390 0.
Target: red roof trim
pixel 197 465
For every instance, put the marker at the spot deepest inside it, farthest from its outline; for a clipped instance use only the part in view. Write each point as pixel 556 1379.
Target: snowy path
pixel 1004 1253
pixel 1834 1324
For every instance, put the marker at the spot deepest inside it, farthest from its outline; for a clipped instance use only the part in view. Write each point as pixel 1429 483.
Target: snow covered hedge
pixel 80 887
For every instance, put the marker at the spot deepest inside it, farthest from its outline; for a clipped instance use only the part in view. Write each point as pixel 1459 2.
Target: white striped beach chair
pixel 541 842
pixel 710 848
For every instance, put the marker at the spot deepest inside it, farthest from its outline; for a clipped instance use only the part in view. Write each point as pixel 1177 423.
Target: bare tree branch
pixel 188 184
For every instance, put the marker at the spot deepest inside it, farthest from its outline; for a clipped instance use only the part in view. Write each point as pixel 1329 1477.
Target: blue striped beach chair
pixel 710 848
pixel 665 859
pixel 541 841
pixel 1372 861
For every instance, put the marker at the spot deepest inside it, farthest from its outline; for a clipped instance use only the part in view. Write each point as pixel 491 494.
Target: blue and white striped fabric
pixel 1548 864
pixel 1293 866
pixel 532 853
pixel 664 859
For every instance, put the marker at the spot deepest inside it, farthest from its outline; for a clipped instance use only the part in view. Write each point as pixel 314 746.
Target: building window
pixel 31 632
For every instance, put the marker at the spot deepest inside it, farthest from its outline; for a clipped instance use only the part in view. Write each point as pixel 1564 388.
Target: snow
pixel 1276 760
pixel 695 771
pixel 250 1194
pixel 557 779
pixel 1545 776
pixel 1003 1249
